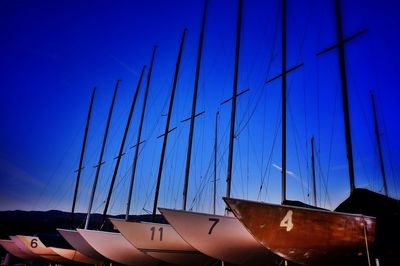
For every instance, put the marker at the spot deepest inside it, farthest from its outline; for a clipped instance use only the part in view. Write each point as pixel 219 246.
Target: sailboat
pixel 337 237
pixel 72 236
pixel 160 240
pixel 14 250
pixel 113 245
pixel 221 237
pixel 63 252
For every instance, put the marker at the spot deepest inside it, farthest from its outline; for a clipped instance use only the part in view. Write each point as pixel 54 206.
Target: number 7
pixel 215 221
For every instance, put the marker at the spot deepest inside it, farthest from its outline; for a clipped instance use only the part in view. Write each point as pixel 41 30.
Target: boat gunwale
pixel 302 208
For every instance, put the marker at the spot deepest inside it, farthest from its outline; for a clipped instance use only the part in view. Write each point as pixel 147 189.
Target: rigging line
pixel 389 151
pixel 297 151
pixel 62 159
pixel 262 85
pixel 269 162
pixel 369 129
pixel 331 140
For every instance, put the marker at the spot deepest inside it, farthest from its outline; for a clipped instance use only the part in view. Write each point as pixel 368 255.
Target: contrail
pixel 290 173
pixel 125 65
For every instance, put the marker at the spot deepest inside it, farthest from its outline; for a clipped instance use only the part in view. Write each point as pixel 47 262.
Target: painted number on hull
pixel 287 221
pixel 153 230
pixel 215 221
pixel 34 243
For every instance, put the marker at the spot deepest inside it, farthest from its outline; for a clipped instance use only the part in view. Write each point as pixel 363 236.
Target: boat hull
pixel 221 237
pixel 162 242
pixel 14 250
pixel 307 236
pixel 116 248
pixel 74 256
pixel 80 244
pixel 34 245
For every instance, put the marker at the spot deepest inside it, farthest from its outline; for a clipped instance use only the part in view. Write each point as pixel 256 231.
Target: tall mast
pixel 121 149
pixel 100 162
pixel 215 160
pixel 136 155
pixel 379 145
pixel 283 101
pixel 342 64
pixel 167 130
pixel 313 172
pixel 234 96
pixel 194 102
pixel 82 155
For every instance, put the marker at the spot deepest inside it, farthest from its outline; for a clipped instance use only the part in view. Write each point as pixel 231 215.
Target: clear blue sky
pixel 54 52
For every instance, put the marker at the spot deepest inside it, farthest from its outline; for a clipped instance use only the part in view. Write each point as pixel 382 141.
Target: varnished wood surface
pixel 306 236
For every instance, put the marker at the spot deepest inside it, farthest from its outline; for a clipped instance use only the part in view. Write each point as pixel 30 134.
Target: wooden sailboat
pixel 113 245
pixel 72 236
pixel 307 236
pixel 221 237
pixel 337 237
pixel 160 240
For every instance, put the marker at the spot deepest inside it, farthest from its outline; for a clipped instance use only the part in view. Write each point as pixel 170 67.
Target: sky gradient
pixel 55 52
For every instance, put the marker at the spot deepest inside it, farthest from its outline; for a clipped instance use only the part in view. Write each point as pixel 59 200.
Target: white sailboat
pixel 14 250
pixel 35 246
pixel 74 256
pixel 160 240
pixel 113 245
pixel 221 237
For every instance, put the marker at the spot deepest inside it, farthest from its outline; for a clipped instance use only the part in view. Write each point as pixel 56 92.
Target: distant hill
pixel 45 223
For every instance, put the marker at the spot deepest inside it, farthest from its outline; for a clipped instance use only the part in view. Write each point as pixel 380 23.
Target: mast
pixel 234 96
pixel 82 155
pixel 379 145
pixel 313 172
pixel 342 65
pixel 215 160
pixel 283 101
pixel 136 155
pixel 194 102
pixel 167 130
pixel 121 149
pixel 100 162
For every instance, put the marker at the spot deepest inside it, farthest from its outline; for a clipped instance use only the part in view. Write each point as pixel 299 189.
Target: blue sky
pixel 55 52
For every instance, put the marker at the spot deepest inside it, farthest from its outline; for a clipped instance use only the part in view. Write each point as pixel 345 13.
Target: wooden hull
pixel 34 245
pixel 80 244
pixel 307 236
pixel 162 242
pixel 74 256
pixel 116 248
pixel 14 250
pixel 220 237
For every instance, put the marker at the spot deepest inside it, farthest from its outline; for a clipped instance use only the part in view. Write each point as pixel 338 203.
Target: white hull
pixel 80 244
pixel 34 245
pixel 116 248
pixel 162 242
pixel 14 250
pixel 221 237
pixel 73 255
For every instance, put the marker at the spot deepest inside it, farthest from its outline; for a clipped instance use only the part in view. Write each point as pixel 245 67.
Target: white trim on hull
pixel 14 250
pixel 221 237
pixel 73 255
pixel 116 248
pixel 162 242
pixel 36 246
pixel 80 244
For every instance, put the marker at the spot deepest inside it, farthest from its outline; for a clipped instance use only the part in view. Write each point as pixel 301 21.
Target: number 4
pixel 287 221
